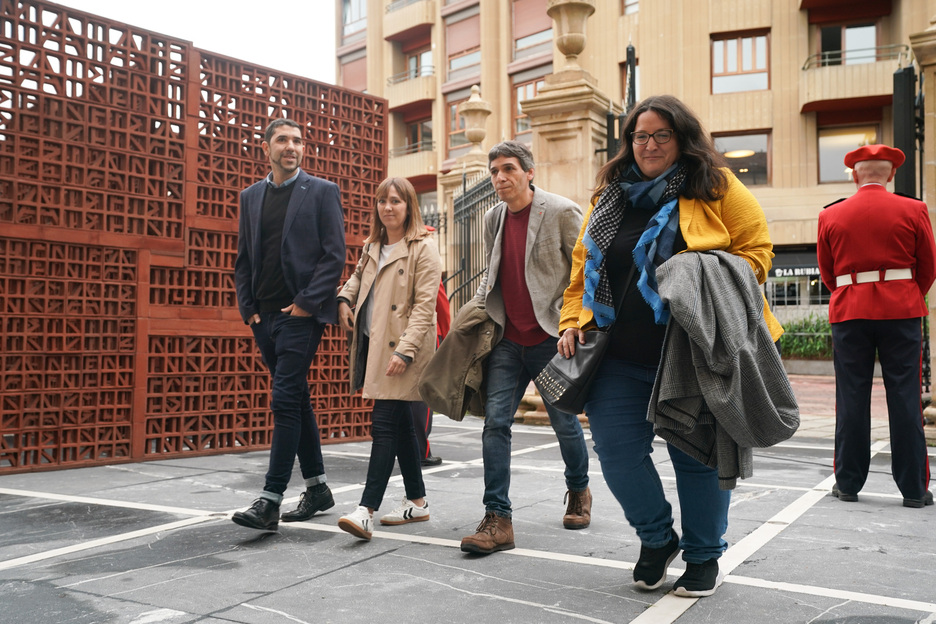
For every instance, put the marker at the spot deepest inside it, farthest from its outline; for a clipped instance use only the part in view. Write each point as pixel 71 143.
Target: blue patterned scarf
pixel 660 195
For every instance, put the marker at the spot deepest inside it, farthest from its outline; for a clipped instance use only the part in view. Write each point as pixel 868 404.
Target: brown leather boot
pixel 493 534
pixel 578 513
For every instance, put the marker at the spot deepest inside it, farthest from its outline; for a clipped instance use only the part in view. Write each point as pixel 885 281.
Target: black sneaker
pixel 700 579
pixel 263 514
pixel 650 571
pixel 919 502
pixel 309 502
pixel 843 496
pixel 431 460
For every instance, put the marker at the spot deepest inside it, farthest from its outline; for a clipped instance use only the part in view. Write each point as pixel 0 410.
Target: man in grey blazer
pixel 528 241
pixel 290 255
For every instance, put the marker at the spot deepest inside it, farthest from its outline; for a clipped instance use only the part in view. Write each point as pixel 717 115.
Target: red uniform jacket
pixel 876 230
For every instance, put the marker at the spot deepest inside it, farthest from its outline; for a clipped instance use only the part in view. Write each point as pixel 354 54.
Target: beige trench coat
pixel 403 300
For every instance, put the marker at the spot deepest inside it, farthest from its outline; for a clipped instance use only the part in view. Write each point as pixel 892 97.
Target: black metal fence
pixel 466 240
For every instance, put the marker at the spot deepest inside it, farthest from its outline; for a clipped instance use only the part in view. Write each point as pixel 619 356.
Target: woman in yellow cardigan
pixel 665 191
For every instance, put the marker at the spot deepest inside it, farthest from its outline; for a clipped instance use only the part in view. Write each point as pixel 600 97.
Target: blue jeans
pixel 287 345
pixel 510 367
pixel 393 438
pixel 617 414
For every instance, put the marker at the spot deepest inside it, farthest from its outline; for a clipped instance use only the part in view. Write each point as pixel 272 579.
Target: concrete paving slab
pixel 153 542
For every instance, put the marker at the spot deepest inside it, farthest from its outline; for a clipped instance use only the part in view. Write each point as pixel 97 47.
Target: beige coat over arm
pixel 403 300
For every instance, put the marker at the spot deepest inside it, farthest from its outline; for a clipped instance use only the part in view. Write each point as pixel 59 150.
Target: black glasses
pixel 660 136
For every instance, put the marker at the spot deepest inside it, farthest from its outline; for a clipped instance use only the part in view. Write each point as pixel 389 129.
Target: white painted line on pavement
pixel 90 500
pixel 813 590
pixel 668 603
pixel 665 610
pixel 105 541
pixel 671 607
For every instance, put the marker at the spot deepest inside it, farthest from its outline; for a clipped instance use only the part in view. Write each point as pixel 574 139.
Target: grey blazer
pixel 554 227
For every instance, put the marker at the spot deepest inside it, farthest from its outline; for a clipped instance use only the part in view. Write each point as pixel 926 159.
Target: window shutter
pixel 463 35
pixel 529 18
pixel 354 74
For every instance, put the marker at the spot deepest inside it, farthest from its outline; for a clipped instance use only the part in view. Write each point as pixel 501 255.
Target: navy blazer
pixel 313 249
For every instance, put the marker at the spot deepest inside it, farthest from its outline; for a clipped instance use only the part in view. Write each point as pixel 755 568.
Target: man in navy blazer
pixel 290 256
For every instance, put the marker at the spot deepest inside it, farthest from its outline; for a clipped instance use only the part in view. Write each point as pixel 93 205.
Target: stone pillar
pixel 568 114
pixel 924 50
pixel 472 166
pixel 568 121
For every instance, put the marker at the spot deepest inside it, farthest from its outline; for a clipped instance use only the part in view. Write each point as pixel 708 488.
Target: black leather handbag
pixel 565 383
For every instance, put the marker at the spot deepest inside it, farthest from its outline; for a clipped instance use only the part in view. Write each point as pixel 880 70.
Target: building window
pixel 457 144
pixel 848 44
pixel 800 292
pixel 793 288
pixel 534 44
pixel 532 28
pixel 419 63
pixel 629 6
pixel 418 138
pixel 463 47
pixel 834 143
pixel 747 156
pixel 464 63
pixel 739 63
pixel 419 135
pixel 783 291
pixel 523 91
pixel 353 16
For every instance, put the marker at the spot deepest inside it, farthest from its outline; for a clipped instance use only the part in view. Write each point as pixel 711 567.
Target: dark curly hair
pixel 705 179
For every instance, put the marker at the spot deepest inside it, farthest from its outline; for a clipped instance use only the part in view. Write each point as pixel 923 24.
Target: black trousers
pixel 393 440
pixel 898 344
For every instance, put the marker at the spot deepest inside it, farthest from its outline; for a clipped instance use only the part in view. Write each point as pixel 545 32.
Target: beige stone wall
pixel 672 38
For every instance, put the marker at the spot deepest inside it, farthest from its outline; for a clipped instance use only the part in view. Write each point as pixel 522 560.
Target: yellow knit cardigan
pixel 735 224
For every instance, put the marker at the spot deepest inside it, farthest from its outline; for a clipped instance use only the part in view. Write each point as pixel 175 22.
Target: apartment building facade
pixel 786 87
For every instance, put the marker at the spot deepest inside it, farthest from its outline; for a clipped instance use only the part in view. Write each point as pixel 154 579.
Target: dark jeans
pixel 510 367
pixel 394 438
pixel 287 345
pixel 898 344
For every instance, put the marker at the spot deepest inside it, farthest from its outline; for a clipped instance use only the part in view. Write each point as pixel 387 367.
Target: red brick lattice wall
pixel 122 154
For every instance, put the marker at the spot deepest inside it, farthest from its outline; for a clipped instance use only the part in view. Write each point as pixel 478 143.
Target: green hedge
pixel 809 338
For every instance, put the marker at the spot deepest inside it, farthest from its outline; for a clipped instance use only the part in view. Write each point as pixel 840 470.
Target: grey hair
pixel 513 149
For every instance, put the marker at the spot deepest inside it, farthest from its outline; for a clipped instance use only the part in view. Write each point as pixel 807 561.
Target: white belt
pixel 873 276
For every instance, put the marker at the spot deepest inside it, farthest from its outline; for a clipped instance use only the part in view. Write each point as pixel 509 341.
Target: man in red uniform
pixel 878 257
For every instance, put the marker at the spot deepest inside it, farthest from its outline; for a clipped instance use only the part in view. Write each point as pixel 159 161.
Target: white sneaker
pixel 359 523
pixel 407 512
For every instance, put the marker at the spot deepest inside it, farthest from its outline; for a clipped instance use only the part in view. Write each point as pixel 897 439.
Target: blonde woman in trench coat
pixel 388 305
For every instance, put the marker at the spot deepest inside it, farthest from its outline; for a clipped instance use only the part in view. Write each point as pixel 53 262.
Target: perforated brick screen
pixel 122 154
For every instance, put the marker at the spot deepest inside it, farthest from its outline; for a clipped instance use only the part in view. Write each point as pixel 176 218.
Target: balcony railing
pixel 399 4
pixel 898 51
pixel 410 74
pixel 412 148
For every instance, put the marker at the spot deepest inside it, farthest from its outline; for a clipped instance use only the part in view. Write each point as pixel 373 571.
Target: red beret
pixel 874 152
